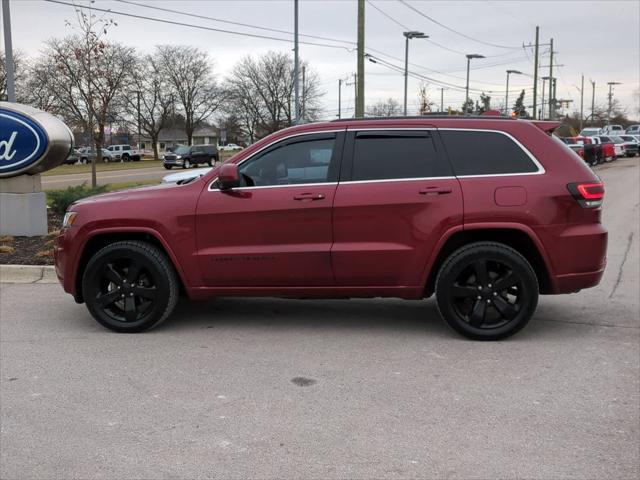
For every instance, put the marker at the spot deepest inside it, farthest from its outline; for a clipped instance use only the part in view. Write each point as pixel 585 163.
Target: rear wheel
pixel 130 286
pixel 486 291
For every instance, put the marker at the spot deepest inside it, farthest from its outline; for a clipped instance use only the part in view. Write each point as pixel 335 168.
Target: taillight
pixel 588 195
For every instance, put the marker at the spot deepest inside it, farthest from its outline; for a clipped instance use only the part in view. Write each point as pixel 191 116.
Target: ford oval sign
pixel 31 140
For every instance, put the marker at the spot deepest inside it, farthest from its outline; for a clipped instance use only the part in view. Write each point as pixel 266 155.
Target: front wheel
pixel 130 286
pixel 486 291
pixel 168 167
pixel 186 164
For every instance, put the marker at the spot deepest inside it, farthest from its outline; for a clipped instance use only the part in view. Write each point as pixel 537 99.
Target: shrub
pixel 59 200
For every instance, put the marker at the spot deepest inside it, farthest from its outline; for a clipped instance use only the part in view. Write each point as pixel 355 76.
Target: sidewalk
pixel 27 274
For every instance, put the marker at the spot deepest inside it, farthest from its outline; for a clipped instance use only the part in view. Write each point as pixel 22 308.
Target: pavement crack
pixel 610 325
pixel 624 260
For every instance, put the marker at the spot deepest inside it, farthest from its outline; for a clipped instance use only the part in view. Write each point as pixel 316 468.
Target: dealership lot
pixel 239 388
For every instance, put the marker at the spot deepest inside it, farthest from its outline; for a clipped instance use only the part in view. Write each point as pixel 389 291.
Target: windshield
pixel 181 150
pixel 616 139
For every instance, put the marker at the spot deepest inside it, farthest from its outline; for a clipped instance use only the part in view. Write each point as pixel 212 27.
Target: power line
pixel 231 22
pixel 422 14
pixel 200 27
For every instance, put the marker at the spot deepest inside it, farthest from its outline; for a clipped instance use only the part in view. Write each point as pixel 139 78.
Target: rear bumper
pixel 573 282
pixel 577 253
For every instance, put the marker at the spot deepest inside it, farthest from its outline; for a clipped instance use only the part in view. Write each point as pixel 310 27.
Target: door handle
pixel 308 196
pixel 435 191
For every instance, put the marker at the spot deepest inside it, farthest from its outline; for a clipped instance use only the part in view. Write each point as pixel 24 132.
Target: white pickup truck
pixel 125 152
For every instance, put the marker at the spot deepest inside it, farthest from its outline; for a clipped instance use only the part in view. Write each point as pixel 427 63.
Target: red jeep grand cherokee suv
pixel 485 212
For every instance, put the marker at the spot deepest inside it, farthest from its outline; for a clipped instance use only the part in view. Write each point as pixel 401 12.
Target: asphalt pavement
pixel 264 388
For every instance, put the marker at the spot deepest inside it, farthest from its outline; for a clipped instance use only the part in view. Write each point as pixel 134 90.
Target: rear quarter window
pixel 485 153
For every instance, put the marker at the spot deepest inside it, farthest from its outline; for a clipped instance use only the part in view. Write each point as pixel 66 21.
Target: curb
pixel 28 274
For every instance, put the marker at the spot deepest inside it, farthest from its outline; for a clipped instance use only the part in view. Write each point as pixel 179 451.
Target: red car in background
pixel 485 212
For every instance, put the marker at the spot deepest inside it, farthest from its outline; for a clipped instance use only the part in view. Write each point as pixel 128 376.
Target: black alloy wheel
pixel 487 291
pixel 130 286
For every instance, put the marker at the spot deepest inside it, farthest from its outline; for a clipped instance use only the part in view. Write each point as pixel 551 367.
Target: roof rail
pixel 430 116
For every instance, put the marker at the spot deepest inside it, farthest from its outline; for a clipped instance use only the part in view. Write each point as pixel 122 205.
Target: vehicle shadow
pixel 419 316
pixel 386 315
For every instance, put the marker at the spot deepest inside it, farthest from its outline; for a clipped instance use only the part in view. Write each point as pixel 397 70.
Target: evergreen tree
pixel 518 108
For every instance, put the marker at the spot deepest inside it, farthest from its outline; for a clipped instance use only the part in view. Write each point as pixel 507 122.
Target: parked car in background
pixel 73 158
pixel 187 157
pixel 633 130
pixel 230 147
pixel 620 145
pixel 612 129
pixel 630 145
pixel 124 152
pixel 87 154
pixel 590 152
pixel 590 132
pixel 319 211
pixel 182 177
pixel 607 151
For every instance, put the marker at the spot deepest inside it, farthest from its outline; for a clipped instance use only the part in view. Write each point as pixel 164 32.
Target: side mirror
pixel 229 176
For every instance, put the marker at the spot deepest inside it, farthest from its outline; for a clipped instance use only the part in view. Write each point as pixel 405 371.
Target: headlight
pixel 69 219
pixel 178 157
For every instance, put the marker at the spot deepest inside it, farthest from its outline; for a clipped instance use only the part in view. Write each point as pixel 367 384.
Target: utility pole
pixel 302 111
pixel 544 79
pixel 535 75
pixel 581 102
pixel 296 101
pixel 360 76
pixel 8 48
pixel 139 128
pixel 551 92
pixel 340 98
pixel 593 99
pixel 611 84
pixel 442 99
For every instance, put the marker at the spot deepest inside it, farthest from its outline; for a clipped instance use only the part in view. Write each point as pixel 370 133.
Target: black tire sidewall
pixel 158 270
pixel 459 260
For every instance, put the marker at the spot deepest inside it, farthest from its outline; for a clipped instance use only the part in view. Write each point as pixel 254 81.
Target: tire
pixel 83 160
pixel 105 159
pixel 125 157
pixel 168 167
pixel 481 318
pixel 186 163
pixel 130 286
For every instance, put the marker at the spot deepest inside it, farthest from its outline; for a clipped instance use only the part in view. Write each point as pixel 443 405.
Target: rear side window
pixel 395 155
pixel 485 153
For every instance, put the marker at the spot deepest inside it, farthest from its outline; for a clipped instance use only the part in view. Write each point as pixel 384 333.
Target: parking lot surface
pixel 262 388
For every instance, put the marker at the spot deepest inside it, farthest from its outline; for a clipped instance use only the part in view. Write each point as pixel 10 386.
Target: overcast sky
pixel 600 39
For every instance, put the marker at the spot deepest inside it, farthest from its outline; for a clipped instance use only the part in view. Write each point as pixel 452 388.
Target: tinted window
pixel 294 162
pixel 395 154
pixel 126 147
pixel 485 153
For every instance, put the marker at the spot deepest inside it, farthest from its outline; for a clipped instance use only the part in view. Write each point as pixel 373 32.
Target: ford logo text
pixel 31 140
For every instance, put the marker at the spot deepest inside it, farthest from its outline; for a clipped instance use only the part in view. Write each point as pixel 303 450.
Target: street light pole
pixel 296 100
pixel 339 98
pixel 469 57
pixel 611 84
pixel 506 98
pixel 408 36
pixel 8 48
pixel 593 98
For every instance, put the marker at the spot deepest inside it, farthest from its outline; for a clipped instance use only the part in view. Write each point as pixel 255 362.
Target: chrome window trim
pixel 293 135
pixel 541 170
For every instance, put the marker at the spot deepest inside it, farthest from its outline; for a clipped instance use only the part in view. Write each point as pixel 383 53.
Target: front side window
pixel 389 155
pixel 485 153
pixel 297 161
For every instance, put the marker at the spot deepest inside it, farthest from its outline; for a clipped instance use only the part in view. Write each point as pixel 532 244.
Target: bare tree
pixel 261 93
pixel 19 74
pixel 189 71
pixel 384 108
pixel 157 98
pixel 81 75
pixel 425 105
